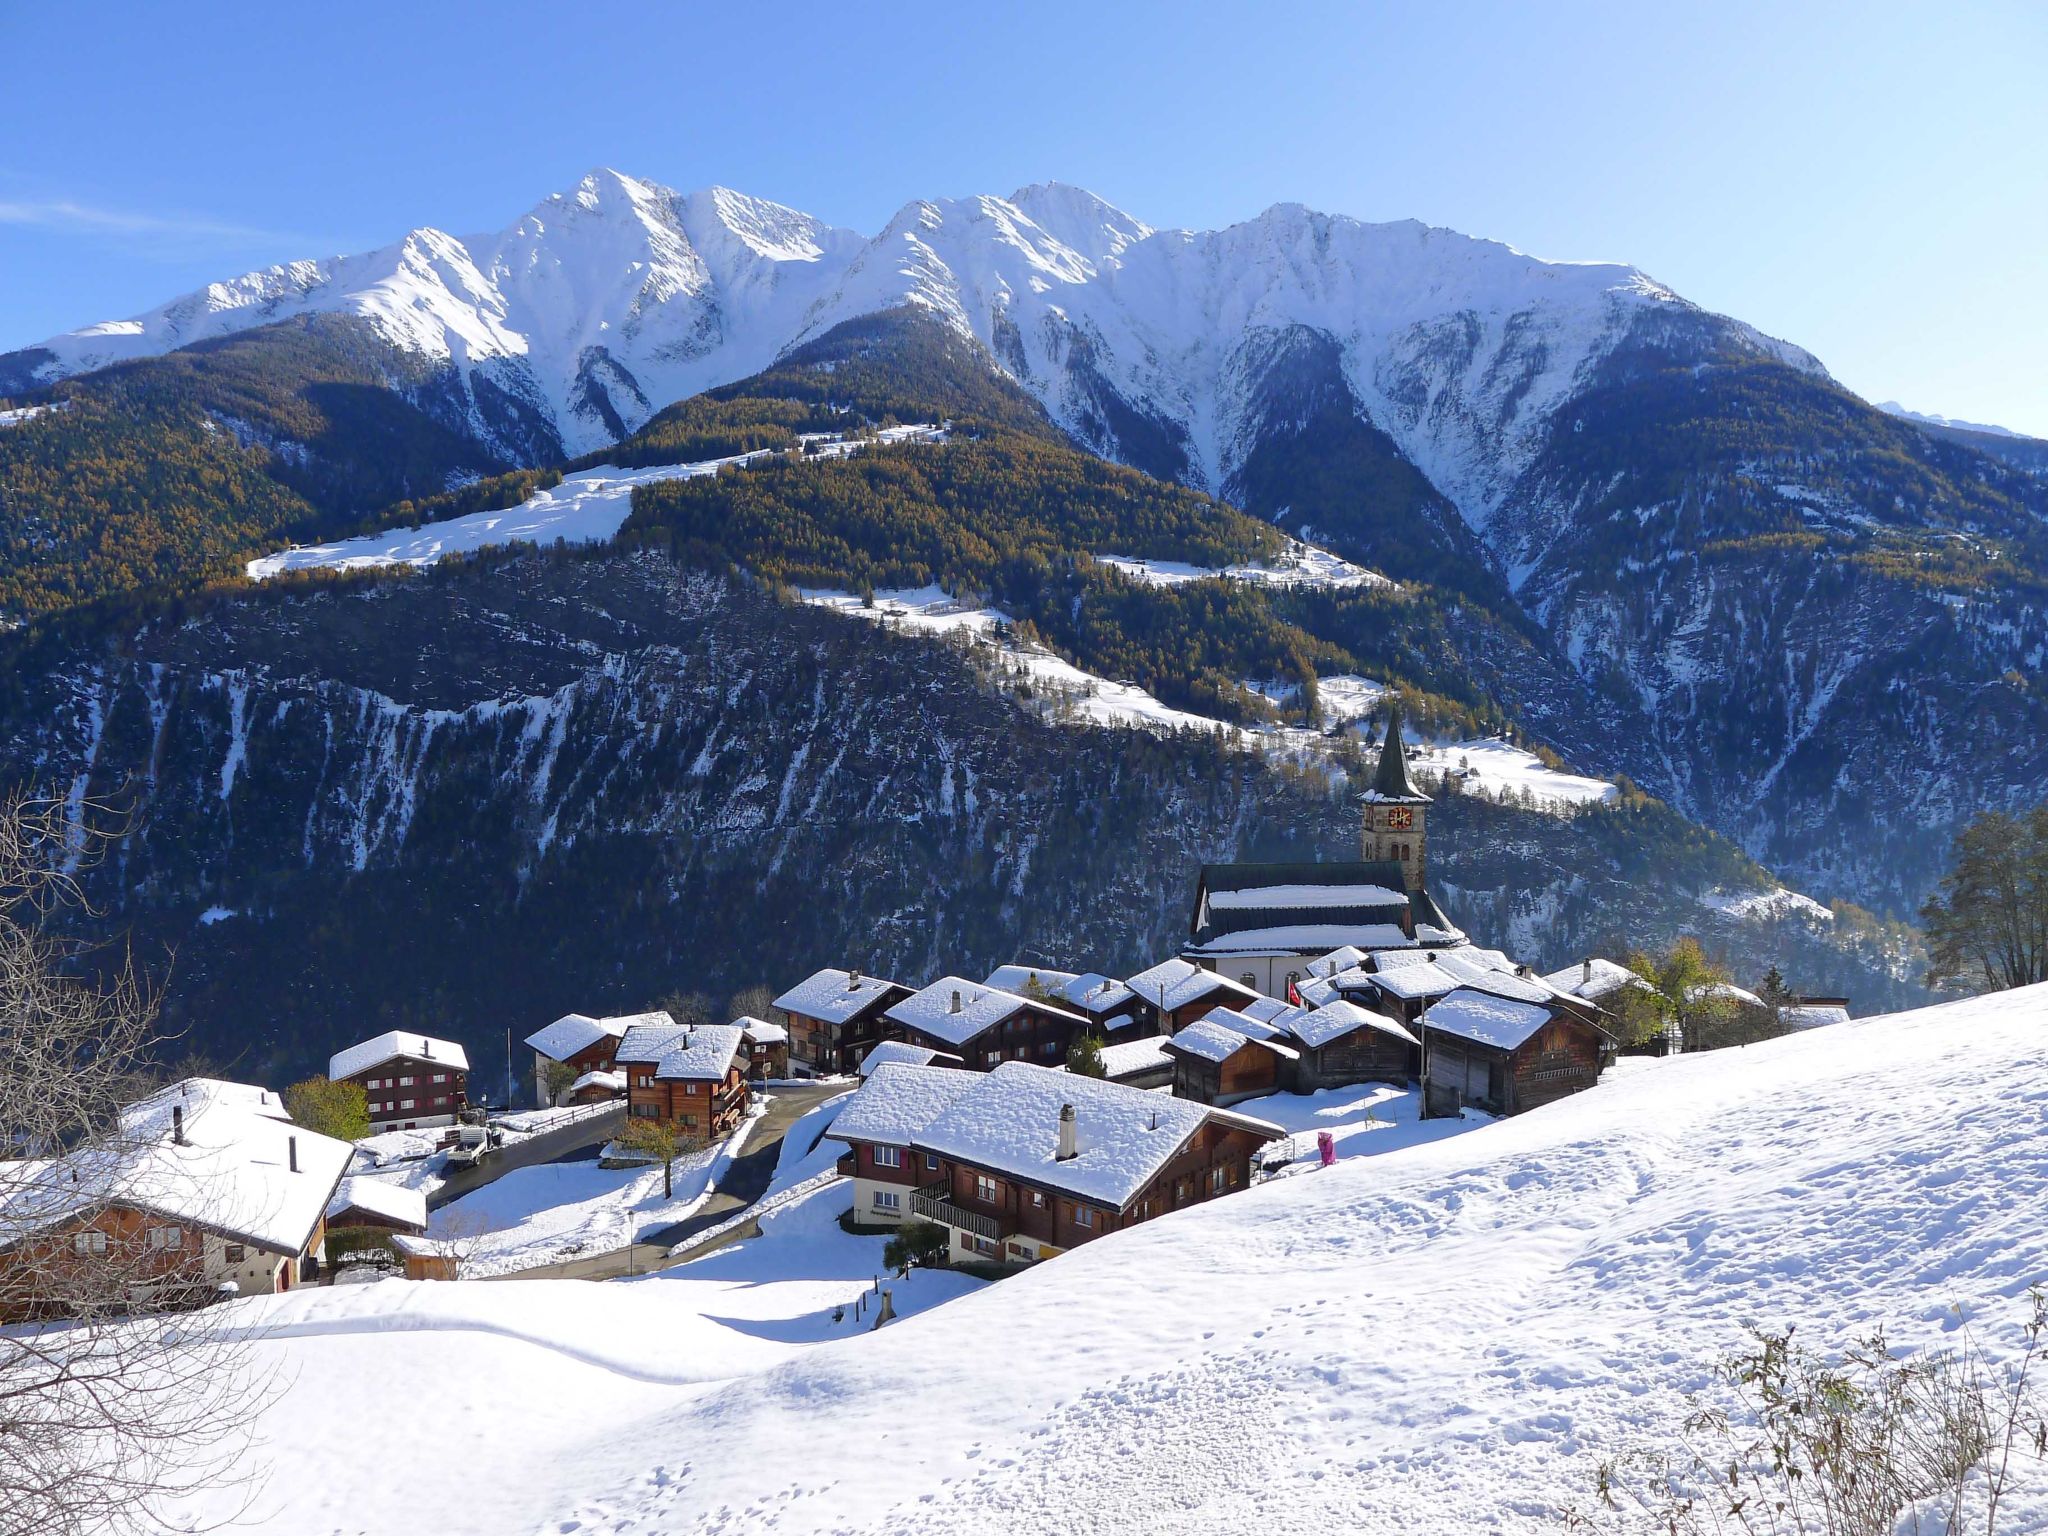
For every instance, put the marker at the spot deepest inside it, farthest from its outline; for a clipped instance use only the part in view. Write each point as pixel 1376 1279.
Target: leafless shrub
pixel 1872 1444
pixel 112 1405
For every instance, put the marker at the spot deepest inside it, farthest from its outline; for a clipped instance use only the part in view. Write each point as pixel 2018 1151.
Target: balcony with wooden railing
pixel 931 1204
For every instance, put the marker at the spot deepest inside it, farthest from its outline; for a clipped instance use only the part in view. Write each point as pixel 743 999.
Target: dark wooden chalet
pixel 985 1026
pixel 1032 1162
pixel 694 1079
pixel 835 1017
pixel 1214 1064
pixel 410 1081
pixel 1504 1055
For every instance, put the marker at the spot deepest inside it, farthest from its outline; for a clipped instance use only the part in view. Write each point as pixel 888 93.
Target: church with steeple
pixel 1260 924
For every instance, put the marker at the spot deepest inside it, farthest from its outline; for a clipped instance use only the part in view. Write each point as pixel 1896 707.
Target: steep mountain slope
pixel 478 798
pixel 1450 1337
pixel 1715 570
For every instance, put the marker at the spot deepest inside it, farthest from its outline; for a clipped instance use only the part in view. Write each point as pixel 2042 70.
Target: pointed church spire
pixel 1391 782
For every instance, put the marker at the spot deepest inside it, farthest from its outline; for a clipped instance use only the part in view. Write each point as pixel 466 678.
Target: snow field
pixel 586 508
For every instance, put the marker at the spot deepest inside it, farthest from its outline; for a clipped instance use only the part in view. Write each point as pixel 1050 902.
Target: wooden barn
pixel 1505 1056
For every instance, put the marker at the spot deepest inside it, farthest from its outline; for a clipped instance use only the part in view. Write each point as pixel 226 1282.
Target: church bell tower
pixel 1395 811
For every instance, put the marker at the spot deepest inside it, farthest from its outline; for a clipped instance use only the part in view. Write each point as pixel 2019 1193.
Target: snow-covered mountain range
pixel 1775 598
pixel 606 302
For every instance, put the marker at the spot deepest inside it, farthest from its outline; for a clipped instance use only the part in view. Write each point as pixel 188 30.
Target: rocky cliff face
pixel 473 801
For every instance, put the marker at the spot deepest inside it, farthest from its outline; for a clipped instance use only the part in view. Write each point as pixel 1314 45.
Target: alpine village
pixel 684 868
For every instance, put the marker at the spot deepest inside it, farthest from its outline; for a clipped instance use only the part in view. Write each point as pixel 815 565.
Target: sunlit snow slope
pixel 1441 1339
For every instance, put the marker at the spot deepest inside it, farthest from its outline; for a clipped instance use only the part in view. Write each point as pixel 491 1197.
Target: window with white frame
pixel 888 1200
pixel 405 1103
pixel 1084 1216
pixel 888 1157
pixel 405 1082
pixel 986 1188
pixel 166 1237
pixel 90 1243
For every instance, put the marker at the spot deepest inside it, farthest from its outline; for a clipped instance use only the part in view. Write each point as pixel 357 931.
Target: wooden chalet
pixel 1116 1011
pixel 1032 1162
pixel 985 1026
pixel 693 1078
pixel 410 1081
pixel 1214 1064
pixel 208 1190
pixel 902 1053
pixel 767 1047
pixel 377 1205
pixel 897 1101
pixel 579 1041
pixel 1342 1043
pixel 835 1017
pixel 1505 1055
pixel 1175 993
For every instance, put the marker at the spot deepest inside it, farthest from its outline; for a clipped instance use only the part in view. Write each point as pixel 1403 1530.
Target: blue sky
pixel 1871 182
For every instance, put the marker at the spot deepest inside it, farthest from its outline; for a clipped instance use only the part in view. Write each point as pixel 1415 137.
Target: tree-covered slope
pixel 472 800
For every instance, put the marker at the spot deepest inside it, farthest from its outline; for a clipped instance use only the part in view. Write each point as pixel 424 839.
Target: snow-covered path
pixel 1444 1338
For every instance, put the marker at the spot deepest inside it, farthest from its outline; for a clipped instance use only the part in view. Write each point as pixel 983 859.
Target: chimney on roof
pixel 1069 1138
pixel 853 977
pixel 426 1048
pixel 1585 970
pixel 1522 970
pixel 291 1152
pixel 178 1124
pixel 956 1000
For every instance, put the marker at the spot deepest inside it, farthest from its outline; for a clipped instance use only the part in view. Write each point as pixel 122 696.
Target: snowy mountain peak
pixel 611 299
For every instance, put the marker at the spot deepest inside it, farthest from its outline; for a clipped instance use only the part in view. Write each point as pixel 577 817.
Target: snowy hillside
pixel 611 300
pixel 1447 1337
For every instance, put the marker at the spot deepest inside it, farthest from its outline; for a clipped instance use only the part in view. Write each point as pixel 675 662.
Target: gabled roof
pixel 646 1040
pixel 1594 978
pixel 1336 1019
pixel 1095 994
pixel 1211 1040
pixel 1391 782
pixel 704 1052
pixel 1485 1019
pixel 835 996
pixel 1336 961
pixel 1134 1058
pixel 390 1046
pixel 1264 1009
pixel 1015 978
pixel 1236 899
pixel 232 1174
pixel 903 1053
pixel 955 1010
pixel 1176 983
pixel 1247 1024
pixel 760 1031
pixel 898 1101
pixel 376 1197
pixel 574 1032
pixel 189 1091
pixel 1008 1122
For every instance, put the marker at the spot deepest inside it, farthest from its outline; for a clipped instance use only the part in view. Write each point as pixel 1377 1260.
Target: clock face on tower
pixel 1400 819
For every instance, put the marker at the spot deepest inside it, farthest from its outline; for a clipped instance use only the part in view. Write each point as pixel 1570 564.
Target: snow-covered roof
pixel 900 1052
pixel 1340 959
pixel 1094 993
pixel 1301 894
pixel 955 1010
pixel 250 1097
pixel 647 1040
pixel 1339 1018
pixel 1501 1022
pixel 611 1082
pixel 1813 1015
pixel 1015 978
pixel 834 996
pixel 232 1173
pixel 898 1101
pixel 391 1045
pixel 1594 978
pixel 703 1052
pixel 574 1032
pixel 1131 1058
pixel 1180 982
pixel 760 1031
pixel 1213 1041
pixel 1009 1123
pixel 378 1197
pixel 1304 939
pixel 1250 1025
pixel 1722 992
pixel 1441 971
pixel 1265 1009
